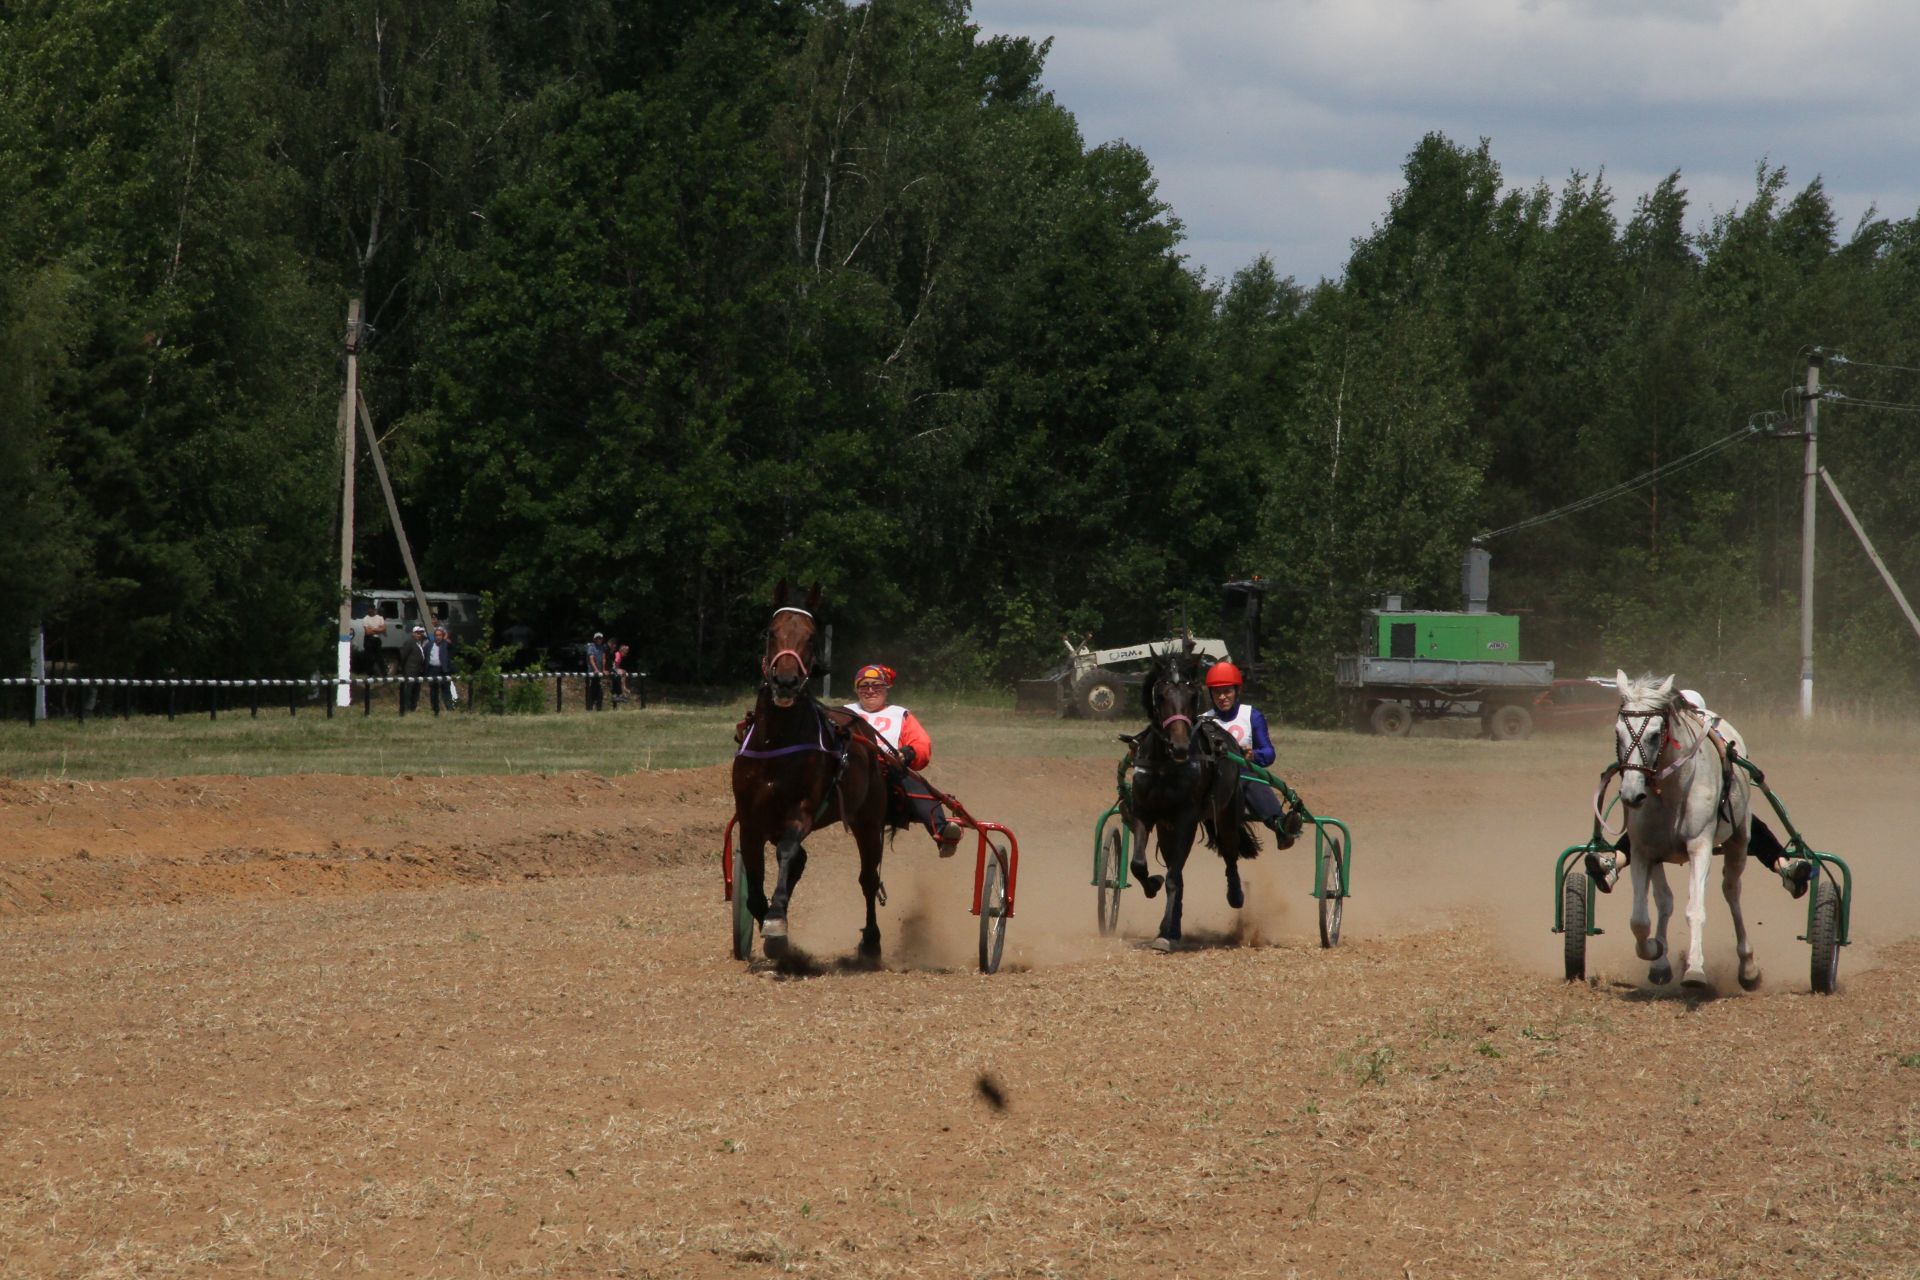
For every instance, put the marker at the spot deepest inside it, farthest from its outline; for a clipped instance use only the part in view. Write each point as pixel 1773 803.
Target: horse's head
pixel 1174 699
pixel 1641 731
pixel 788 659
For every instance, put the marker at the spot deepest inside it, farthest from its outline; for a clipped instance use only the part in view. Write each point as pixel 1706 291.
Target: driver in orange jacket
pixel 901 730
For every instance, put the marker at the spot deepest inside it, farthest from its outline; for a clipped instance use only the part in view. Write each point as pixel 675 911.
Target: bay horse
pixel 1683 806
pixel 800 768
pixel 1183 784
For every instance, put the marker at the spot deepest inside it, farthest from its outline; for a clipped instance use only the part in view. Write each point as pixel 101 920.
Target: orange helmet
pixel 873 671
pixel 1223 675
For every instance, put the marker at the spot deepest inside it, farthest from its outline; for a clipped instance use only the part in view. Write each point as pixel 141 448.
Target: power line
pixel 1625 487
pixel 1841 397
pixel 1837 359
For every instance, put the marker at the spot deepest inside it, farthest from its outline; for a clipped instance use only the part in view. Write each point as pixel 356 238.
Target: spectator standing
pixel 596 671
pixel 439 668
pixel 413 664
pixel 617 674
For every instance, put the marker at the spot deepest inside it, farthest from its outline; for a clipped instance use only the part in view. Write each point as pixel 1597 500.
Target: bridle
pixel 1164 724
pixel 1642 752
pixel 767 664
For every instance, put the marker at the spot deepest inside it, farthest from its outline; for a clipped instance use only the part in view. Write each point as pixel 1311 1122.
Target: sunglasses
pixel 870 687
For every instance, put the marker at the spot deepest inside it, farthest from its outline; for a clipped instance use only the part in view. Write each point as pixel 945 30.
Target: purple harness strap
pixel 819 744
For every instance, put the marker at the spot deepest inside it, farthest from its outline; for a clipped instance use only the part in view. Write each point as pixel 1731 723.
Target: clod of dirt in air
pixel 990 1090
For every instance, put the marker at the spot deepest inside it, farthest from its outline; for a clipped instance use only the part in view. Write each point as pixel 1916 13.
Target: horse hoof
pixel 1695 978
pixel 1650 949
pixel 1750 982
pixel 1159 944
pixel 1661 974
pixel 869 945
pixel 1150 885
pixel 1236 896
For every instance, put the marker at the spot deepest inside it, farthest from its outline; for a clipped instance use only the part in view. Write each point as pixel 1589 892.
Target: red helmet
pixel 1223 675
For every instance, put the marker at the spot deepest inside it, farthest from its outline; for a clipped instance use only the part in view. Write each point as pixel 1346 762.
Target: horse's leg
pixel 1142 876
pixel 870 835
pixel 1227 833
pixel 1638 920
pixel 753 861
pixel 1662 970
pixel 773 929
pixel 1736 862
pixel 1175 851
pixel 1699 862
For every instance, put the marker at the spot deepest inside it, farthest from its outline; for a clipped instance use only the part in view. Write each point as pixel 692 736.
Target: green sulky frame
pixel 1829 914
pixel 1110 880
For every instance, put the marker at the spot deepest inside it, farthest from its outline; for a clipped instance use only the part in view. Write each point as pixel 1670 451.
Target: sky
pixel 1280 126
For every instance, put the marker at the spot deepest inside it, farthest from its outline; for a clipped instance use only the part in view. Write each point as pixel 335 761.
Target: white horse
pixel 1672 775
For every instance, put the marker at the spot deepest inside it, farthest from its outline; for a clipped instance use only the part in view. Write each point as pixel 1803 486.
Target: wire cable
pixel 1841 397
pixel 1837 358
pixel 1625 487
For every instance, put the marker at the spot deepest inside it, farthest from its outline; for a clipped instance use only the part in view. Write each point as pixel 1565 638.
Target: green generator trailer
pixel 1418 664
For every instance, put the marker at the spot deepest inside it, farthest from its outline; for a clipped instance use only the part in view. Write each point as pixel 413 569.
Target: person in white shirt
pixel 900 729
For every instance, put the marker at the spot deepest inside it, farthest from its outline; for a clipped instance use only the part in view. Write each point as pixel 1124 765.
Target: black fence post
pixel 213 700
pixel 331 696
pixel 293 701
pixel 80 704
pixel 368 710
pixel 559 683
pixel 642 676
pixel 254 687
pixel 173 697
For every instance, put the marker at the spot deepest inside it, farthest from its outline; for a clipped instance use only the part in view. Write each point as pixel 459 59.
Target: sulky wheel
pixel 1107 860
pixel 993 909
pixel 742 917
pixel 1823 934
pixel 1391 719
pixel 1576 895
pixel 1332 898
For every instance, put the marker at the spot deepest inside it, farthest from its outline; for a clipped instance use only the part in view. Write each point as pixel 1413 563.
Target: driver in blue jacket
pixel 1243 722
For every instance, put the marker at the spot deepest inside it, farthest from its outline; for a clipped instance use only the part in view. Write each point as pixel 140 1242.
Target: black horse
pixel 1183 783
pixel 799 768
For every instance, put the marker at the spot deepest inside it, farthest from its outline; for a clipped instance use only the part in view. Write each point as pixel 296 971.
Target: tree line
pixel 670 300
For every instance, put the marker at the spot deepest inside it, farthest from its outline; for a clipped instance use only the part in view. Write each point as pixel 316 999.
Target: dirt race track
pixel 487 1026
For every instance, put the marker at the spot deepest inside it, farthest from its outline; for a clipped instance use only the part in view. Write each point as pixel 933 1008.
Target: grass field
pixel 677 736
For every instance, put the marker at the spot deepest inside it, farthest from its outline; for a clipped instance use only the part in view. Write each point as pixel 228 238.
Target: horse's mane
pixel 1648 694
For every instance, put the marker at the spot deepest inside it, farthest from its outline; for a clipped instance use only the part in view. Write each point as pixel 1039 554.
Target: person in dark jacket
pixel 413 662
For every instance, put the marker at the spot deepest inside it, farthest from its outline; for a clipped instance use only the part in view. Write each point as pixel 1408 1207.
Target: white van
pixel 382 621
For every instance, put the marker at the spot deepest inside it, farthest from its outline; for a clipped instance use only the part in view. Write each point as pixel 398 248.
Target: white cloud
pixel 1280 126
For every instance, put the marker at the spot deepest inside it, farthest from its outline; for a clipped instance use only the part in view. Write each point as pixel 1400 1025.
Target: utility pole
pixel 343 691
pixel 1809 478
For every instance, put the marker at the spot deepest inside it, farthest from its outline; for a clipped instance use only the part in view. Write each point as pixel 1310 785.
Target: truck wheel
pixel 1391 719
pixel 1097 695
pixel 1509 723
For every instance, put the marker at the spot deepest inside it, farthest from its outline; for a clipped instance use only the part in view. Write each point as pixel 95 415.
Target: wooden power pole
pixel 1809 479
pixel 343 691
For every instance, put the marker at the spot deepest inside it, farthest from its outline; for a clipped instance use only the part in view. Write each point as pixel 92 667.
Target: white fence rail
pixel 246 694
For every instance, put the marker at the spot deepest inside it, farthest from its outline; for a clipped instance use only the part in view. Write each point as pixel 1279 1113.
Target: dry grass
pixel 563 1076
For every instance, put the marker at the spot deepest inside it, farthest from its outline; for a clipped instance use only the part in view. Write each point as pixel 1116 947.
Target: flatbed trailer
pixel 1386 695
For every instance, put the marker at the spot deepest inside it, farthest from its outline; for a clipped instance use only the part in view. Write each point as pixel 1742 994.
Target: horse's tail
pixel 1249 843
